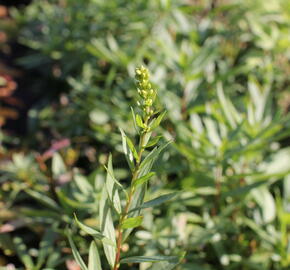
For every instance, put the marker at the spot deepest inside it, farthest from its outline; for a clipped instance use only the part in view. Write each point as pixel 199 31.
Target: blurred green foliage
pixel 222 70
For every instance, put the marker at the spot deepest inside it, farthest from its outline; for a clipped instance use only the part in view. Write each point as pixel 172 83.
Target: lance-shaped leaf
pixel 157 201
pixel 94 233
pixel 168 264
pixel 152 156
pixel 143 179
pixel 132 148
pixel 140 259
pixel 154 141
pixel 42 198
pixel 156 122
pixel 112 188
pixel 94 257
pixel 132 222
pixel 128 153
pixel 134 120
pixel 139 121
pixel 76 254
pixel 107 227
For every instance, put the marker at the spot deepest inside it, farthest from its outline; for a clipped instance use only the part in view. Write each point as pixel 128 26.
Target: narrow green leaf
pixel 154 141
pixel 94 257
pixel 76 254
pixel 227 107
pixel 68 203
pixel 139 121
pixel 119 185
pixel 157 201
pixel 112 187
pixel 143 179
pixel 244 190
pixel 134 120
pixel 128 153
pixel 169 264
pixel 156 122
pixel 152 156
pixel 132 148
pixel 42 198
pixel 140 259
pixel 107 227
pixel 83 184
pixel 132 222
pixel 94 232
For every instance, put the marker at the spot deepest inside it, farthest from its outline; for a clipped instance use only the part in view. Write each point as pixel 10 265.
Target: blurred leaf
pixel 76 254
pixel 94 258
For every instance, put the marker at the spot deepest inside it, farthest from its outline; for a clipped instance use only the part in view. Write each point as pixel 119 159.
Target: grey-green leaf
pixel 128 153
pixel 94 257
pixel 152 156
pixel 42 198
pixel 76 254
pixel 112 187
pixel 157 201
pixel 140 259
pixel 94 233
pixel 107 227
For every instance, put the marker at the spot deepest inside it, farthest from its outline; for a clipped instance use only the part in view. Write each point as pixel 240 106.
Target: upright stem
pixel 130 197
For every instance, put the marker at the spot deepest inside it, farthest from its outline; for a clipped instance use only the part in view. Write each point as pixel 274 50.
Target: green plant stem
pixel 130 197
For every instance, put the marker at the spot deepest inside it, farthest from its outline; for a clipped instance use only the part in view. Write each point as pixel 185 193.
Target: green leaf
pixel 228 108
pixel 244 190
pixel 152 156
pixel 83 184
pixel 134 120
pixel 69 204
pixel 22 253
pixel 132 222
pixel 156 122
pixel 154 141
pixel 107 227
pixel 94 257
pixel 157 201
pixel 42 198
pixel 118 184
pixel 139 121
pixel 143 179
pixel 140 259
pixel 128 153
pixel 169 264
pixel 112 187
pixel 76 254
pixel 94 232
pixel 132 148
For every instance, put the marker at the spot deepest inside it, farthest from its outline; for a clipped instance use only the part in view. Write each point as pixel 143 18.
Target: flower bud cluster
pixel 145 90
